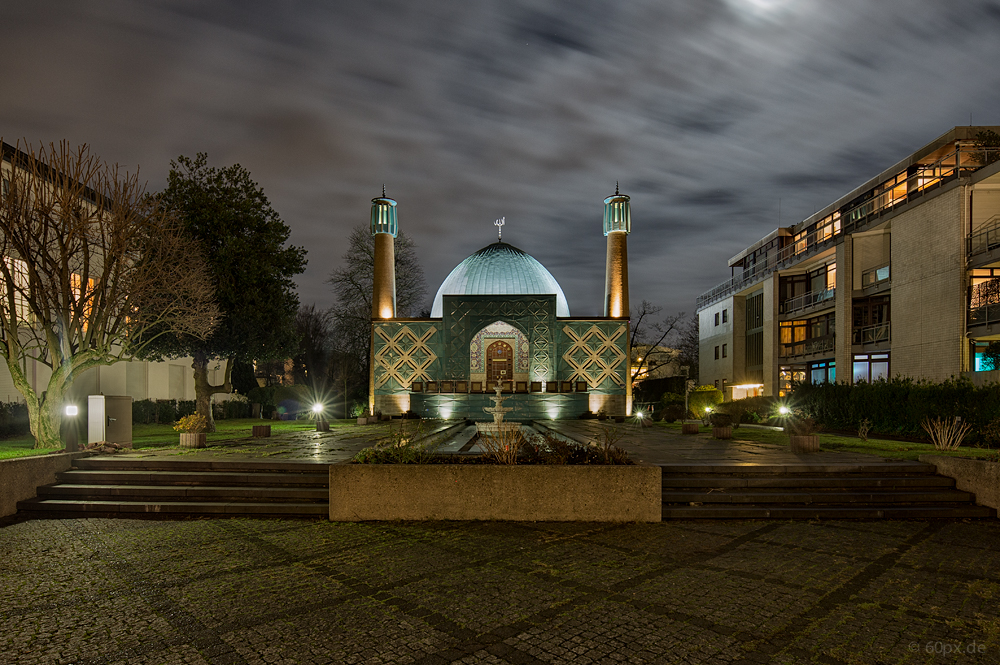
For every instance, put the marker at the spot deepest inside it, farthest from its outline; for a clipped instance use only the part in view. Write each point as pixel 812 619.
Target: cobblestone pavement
pixel 282 591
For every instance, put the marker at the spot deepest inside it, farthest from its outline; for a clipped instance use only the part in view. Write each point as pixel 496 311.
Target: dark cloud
pixel 711 114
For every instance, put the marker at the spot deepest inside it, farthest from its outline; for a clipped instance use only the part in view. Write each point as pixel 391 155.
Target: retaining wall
pixel 21 476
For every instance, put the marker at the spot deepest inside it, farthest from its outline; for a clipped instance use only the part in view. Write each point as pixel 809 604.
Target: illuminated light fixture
pixel 747 386
pixel 708 409
pixel 553 414
pixel 72 410
pixel 640 414
pixel 784 410
pixel 446 413
pixel 317 408
pixel 386 312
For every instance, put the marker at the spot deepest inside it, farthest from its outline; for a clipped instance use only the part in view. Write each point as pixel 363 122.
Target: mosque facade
pixel 501 319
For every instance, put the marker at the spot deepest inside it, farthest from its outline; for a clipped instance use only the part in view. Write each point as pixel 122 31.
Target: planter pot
pixel 261 431
pixel 322 426
pixel 806 443
pixel 193 439
pixel 722 432
pixel 360 492
pixel 689 428
pixel 372 420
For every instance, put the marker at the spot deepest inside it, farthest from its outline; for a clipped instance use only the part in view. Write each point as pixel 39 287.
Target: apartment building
pixel 899 277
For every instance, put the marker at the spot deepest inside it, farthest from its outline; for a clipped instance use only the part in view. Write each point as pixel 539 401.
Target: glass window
pixel 716 318
pixel 725 315
pixel 716 353
pixel 723 350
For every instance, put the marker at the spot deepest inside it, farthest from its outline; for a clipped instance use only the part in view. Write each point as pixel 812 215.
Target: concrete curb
pixel 362 492
pixel 980 477
pixel 20 477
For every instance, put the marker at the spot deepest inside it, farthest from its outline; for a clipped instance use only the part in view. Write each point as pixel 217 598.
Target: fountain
pixel 497 411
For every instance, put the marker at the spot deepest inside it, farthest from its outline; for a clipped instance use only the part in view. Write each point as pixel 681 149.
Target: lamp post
pixel 321 423
pixel 71 433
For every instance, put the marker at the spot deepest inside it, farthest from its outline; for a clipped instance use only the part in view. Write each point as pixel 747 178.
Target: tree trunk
pixel 203 389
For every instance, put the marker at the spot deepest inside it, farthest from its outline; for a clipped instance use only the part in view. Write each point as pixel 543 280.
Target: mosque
pixel 501 319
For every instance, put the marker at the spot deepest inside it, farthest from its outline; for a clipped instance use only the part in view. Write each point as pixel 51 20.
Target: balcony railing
pixel 960 162
pixel 808 347
pixel 872 334
pixel 984 303
pixel 807 300
pixel 875 276
pixel 986 239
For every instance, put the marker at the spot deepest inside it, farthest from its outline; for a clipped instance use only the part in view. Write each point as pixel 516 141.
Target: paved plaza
pixel 285 591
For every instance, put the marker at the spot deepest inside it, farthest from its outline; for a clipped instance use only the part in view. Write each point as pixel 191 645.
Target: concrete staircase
pixel 123 487
pixel 894 490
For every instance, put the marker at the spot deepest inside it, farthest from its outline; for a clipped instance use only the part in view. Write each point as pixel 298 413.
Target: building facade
pixel 899 277
pixel 500 319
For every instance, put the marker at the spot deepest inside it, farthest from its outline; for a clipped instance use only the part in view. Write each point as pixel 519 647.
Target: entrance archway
pixel 499 362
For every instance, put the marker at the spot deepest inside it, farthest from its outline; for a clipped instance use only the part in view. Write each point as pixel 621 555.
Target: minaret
pixel 617 225
pixel 384 228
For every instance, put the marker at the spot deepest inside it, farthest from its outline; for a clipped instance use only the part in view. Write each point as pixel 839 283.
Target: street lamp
pixel 72 435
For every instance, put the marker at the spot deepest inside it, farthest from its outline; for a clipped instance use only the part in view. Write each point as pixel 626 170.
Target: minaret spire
pixel 499 224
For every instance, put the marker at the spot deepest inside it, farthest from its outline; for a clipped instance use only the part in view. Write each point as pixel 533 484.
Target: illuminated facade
pixel 501 319
pixel 900 276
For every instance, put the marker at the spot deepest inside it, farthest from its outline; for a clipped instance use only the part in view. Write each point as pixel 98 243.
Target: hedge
pixel 897 406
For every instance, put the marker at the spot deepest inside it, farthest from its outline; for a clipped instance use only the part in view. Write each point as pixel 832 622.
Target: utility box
pixel 109 418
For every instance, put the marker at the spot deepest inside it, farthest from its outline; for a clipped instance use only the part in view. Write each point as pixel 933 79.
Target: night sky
pixel 708 112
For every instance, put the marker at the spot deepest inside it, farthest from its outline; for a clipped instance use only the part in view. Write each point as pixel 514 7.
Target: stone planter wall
pixel 804 443
pixel 689 428
pixel 261 431
pixel 361 492
pixel 21 476
pixel 979 477
pixel 193 439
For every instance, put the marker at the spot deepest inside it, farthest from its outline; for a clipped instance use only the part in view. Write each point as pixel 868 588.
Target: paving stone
pixel 97 591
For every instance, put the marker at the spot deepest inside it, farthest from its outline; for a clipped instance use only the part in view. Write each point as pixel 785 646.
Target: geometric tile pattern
pixel 595 356
pixel 404 355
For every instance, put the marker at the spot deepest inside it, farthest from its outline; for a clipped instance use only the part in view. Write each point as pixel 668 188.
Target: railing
pixel 986 239
pixel 962 161
pixel 984 303
pixel 875 276
pixel 808 347
pixel 872 334
pixel 807 300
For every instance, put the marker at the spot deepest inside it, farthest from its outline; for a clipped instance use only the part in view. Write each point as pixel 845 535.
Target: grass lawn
pixel 164 436
pixel 907 450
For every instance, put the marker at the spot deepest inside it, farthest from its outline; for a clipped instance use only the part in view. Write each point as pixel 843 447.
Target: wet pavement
pixel 120 591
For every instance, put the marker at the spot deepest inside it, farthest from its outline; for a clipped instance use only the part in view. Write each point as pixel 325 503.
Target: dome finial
pixel 499 224
pixel 383 190
pixel 616 189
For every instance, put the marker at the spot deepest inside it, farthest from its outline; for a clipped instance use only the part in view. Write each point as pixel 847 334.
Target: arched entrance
pixel 499 362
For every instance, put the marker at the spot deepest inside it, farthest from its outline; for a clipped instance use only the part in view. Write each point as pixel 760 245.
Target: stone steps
pixel 892 490
pixel 136 487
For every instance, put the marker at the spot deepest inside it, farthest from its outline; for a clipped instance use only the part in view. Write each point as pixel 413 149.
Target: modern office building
pixel 899 277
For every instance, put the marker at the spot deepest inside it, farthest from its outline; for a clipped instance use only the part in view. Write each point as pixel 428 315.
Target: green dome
pixel 500 270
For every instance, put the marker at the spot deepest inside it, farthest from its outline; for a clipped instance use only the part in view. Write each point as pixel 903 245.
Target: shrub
pixel 192 423
pixel 720 419
pixel 673 412
pixel 14 419
pixel 166 410
pixel 704 397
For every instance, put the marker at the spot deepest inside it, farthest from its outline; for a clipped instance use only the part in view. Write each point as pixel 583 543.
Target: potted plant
pixel 802 434
pixel 192 429
pixel 722 425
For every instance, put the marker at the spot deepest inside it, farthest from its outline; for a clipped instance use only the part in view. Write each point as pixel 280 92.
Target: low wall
pixel 360 492
pixel 21 476
pixel 979 477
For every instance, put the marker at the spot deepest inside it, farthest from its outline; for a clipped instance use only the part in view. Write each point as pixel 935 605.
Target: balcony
pixel 963 161
pixel 984 303
pixel 808 347
pixel 807 301
pixel 983 246
pixel 875 334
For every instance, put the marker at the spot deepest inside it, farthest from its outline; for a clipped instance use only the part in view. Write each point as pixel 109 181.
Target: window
pixel 823 372
pixel 716 318
pixel 725 315
pixel 716 353
pixel 723 350
pixel 19 273
pixel 871 367
pixel 716 384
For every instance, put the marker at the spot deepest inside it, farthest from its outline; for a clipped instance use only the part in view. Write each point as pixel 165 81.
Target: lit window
pixel 19 274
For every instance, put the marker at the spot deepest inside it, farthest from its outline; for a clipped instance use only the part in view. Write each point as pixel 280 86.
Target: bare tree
pixel 648 335
pixel 93 271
